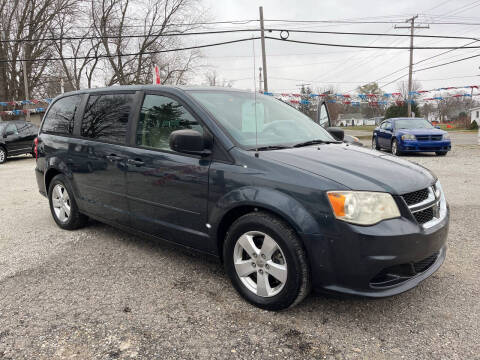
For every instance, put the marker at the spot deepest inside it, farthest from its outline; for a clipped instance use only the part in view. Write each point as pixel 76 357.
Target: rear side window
pixel 106 117
pixel 60 117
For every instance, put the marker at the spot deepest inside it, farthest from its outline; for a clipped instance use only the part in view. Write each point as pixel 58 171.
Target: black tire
pixel 3 155
pixel 375 143
pixel 298 280
pixel 75 219
pixel 394 148
pixel 441 153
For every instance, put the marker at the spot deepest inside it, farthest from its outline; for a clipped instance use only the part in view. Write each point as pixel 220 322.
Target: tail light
pixel 35 149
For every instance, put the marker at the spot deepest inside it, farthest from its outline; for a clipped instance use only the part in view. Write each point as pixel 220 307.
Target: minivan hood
pixel 355 167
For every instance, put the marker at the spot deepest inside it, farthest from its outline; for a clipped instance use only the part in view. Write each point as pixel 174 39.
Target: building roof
pixel 474 108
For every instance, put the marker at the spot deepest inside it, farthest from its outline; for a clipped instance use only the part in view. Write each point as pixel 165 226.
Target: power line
pixel 371 22
pixel 375 47
pixel 372 34
pixel 94 37
pixel 448 63
pixel 434 66
pixel 418 62
pixel 134 54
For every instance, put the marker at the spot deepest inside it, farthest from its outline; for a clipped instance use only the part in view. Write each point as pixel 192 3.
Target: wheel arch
pixel 271 201
pixel 49 175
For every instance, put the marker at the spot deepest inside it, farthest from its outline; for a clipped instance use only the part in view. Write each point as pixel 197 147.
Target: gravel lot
pixel 99 293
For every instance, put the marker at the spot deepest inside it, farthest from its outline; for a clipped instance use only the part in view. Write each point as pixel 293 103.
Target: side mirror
pixel 189 142
pixel 336 132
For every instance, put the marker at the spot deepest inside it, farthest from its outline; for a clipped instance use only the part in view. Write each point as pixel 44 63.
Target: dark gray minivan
pixel 246 178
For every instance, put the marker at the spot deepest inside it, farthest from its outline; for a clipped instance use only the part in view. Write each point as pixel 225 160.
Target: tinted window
pixel 160 116
pixel 11 128
pixel 60 117
pixel 106 117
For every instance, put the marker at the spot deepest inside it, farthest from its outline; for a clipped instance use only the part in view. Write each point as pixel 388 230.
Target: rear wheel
pixel 3 155
pixel 441 153
pixel 266 261
pixel 63 205
pixel 395 150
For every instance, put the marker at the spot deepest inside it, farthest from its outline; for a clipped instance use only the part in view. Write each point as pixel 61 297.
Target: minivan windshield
pixel 413 124
pixel 261 121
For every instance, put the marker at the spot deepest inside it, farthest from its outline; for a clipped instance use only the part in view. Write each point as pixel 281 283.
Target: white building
pixel 475 115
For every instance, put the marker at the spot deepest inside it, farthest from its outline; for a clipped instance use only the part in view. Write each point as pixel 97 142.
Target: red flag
pixel 156 75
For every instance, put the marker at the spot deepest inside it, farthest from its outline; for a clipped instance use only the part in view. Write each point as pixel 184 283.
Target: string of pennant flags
pixel 26 102
pixel 305 99
pixel 17 112
pixel 374 99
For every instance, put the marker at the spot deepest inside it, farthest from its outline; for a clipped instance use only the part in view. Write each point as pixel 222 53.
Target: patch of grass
pixel 362 127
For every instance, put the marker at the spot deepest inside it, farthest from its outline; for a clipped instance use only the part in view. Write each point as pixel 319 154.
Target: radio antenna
pixel 255 96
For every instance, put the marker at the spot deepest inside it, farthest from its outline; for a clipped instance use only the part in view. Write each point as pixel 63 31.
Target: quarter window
pixel 106 117
pixel 60 117
pixel 12 128
pixel 160 116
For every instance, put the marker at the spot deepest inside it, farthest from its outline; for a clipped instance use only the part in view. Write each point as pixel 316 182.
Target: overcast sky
pixel 345 68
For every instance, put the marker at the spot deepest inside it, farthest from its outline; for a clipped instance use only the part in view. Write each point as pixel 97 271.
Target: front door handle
pixel 135 162
pixel 113 157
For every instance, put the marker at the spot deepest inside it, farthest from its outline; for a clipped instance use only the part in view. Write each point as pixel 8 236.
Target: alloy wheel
pixel 260 263
pixel 61 203
pixel 394 148
pixel 2 155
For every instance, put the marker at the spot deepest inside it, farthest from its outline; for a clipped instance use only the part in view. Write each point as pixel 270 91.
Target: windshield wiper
pixel 313 142
pixel 271 147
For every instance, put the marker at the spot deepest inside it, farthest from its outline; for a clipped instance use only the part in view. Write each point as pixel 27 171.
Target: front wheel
pixel 3 155
pixel 266 261
pixel 63 205
pixel 375 143
pixel 441 153
pixel 395 150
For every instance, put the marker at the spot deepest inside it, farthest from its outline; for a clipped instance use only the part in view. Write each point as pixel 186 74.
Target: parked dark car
pixel 410 135
pixel 248 179
pixel 16 138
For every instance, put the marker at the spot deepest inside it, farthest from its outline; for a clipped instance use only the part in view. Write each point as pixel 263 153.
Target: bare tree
pixel 403 88
pixel 130 59
pixel 28 20
pixel 213 79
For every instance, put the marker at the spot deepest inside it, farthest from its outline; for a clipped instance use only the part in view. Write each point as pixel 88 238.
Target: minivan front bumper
pixel 386 259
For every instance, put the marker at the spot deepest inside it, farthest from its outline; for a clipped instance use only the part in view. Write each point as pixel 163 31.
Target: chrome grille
pixel 424 205
pixel 424 216
pixel 416 197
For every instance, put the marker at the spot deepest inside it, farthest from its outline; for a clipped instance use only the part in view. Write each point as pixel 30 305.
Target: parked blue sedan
pixel 409 135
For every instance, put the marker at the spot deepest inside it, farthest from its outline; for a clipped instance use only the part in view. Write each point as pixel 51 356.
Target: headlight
pixel 361 207
pixel 408 137
pixel 446 136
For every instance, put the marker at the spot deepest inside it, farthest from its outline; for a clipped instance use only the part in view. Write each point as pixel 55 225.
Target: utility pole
pixel 260 79
pixel 264 57
pixel 24 67
pixel 410 67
